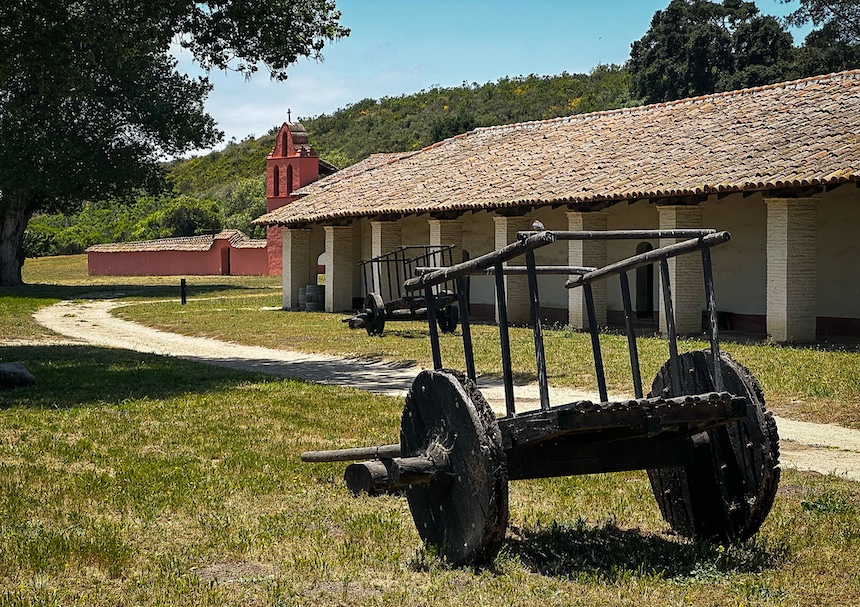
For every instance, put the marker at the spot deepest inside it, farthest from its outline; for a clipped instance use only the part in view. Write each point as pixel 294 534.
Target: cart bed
pixel 651 417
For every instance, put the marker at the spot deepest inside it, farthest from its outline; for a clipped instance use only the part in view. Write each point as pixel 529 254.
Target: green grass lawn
pixel 810 383
pixel 130 479
pixel 52 279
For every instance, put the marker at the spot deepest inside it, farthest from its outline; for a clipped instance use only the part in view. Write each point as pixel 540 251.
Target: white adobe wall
pixel 340 267
pixel 416 230
pixel 684 272
pixel 295 265
pixel 517 298
pixel 791 268
pixel 445 232
pixel 838 284
pixel 364 240
pixel 551 288
pixel 591 253
pixel 386 236
pixel 740 265
pixel 638 216
pixel 363 237
pixel 478 238
pixel 302 261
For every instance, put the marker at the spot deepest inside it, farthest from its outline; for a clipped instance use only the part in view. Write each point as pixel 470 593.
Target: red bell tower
pixel 291 165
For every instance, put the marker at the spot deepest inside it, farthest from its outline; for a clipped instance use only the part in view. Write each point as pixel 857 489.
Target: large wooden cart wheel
pixel 729 489
pixel 374 309
pixel 463 511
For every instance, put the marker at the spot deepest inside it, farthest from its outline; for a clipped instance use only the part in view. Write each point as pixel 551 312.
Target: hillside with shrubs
pixel 226 188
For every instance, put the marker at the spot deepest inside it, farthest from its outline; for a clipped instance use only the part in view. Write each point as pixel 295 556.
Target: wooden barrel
pixel 315 298
pixel 302 300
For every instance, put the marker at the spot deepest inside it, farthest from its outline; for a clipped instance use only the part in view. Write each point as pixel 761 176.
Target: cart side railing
pixel 581 277
pixel 386 273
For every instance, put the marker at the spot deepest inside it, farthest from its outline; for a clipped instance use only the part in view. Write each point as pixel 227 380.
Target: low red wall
pixel 219 260
pixel 154 263
pixel 249 262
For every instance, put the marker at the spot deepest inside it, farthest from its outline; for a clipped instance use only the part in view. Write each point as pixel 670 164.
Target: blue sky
pixel 401 47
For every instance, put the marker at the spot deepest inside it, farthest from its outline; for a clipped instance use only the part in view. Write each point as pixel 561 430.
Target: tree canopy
pixel 835 44
pixel 694 47
pixel 841 17
pixel 91 100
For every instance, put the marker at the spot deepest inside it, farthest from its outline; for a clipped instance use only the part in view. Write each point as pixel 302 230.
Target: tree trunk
pixel 13 222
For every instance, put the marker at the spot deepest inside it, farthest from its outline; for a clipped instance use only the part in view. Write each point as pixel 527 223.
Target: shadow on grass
pixel 74 376
pixel 609 553
pixel 521 378
pixel 421 334
pixel 96 291
pixel 380 358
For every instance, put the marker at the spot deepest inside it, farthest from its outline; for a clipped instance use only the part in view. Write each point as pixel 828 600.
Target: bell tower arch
pixel 292 164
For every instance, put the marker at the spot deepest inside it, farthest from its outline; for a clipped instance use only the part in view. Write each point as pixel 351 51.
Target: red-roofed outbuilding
pixel 293 164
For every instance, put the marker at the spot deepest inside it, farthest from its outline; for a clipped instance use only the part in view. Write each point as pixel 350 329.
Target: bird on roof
pixel 537 225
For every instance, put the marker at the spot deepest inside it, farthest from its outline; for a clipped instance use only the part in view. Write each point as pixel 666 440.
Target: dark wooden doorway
pixel 645 286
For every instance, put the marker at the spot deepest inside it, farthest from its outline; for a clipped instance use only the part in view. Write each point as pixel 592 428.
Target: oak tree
pixel 835 43
pixel 91 100
pixel 696 47
pixel 842 17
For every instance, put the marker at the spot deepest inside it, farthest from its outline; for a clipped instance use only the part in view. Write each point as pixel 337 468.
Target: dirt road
pixel 823 448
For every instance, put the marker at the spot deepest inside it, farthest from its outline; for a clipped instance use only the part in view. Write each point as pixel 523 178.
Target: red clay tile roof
pixel 789 135
pixel 249 243
pixel 237 239
pixel 370 163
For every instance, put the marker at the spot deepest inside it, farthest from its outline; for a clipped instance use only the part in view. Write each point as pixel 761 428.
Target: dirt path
pixel 822 448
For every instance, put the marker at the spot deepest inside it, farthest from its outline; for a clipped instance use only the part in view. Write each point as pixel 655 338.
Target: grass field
pixel 129 479
pixel 813 384
pixel 820 384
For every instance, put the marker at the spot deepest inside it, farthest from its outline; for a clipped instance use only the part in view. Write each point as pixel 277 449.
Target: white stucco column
pixel 445 232
pixel 791 275
pixel 296 265
pixel 586 253
pixel 685 273
pixel 385 236
pixel 339 267
pixel 516 287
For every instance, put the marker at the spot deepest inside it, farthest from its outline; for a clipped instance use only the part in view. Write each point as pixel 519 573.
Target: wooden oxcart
pixel 386 300
pixel 702 432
